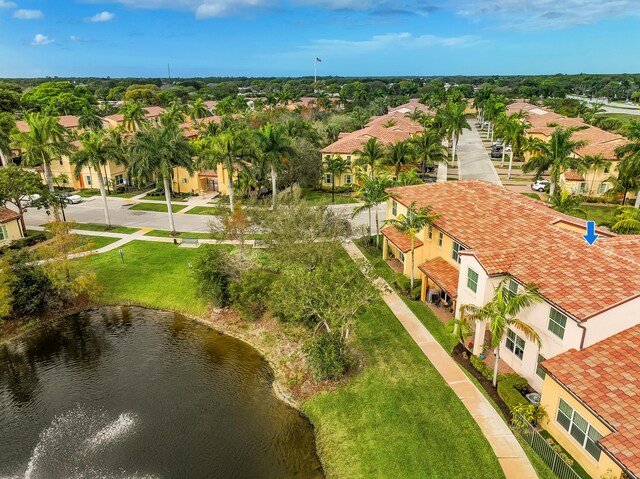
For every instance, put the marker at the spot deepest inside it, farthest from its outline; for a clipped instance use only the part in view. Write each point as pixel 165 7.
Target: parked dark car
pixel 496 152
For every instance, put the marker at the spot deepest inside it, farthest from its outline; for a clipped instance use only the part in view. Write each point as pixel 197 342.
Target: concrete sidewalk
pixel 513 460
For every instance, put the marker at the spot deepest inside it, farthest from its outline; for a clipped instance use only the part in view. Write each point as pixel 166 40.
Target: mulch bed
pixel 458 355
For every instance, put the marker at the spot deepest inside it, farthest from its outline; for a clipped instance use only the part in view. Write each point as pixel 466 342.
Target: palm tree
pixel 494 106
pixel 337 166
pixel 567 203
pixel 428 149
pixel 556 156
pixel 594 162
pixel 513 131
pixel 275 146
pixel 372 193
pixel 411 224
pixel 408 178
pixel 415 115
pixel 398 155
pixel 501 312
pixel 198 110
pixel 134 115
pixel 174 114
pixel 90 121
pixel 629 165
pixel 155 152
pixel 233 149
pixel 370 155
pixel 7 125
pixel 45 141
pixel 627 220
pixel 455 120
pixel 97 150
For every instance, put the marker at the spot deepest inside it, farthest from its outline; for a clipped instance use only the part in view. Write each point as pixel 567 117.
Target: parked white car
pixel 72 199
pixel 28 199
pixel 540 185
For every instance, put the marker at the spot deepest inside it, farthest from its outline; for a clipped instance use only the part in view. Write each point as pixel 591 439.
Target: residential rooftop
pixel 7 215
pixel 605 377
pixel 512 234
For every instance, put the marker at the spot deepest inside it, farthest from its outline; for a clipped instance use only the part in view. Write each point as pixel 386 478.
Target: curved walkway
pixel 506 447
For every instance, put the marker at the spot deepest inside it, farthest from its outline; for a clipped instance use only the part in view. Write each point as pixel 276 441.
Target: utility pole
pixel 169 70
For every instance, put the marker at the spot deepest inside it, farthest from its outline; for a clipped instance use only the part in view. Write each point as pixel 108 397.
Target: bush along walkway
pixel 506 447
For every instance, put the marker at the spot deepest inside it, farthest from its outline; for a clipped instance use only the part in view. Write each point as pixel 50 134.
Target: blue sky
pixel 352 37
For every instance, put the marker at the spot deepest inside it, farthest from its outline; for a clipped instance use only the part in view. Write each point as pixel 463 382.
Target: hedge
pixel 481 367
pixel 509 391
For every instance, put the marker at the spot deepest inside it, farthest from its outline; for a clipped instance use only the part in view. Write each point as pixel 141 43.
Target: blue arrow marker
pixel 591 235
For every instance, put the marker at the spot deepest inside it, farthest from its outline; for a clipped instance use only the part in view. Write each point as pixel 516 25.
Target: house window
pixel 347 179
pixel 348 157
pixel 401 256
pixel 327 178
pixel 557 323
pixel 602 188
pixel 472 280
pixel 440 238
pixel 185 180
pixel 394 208
pixel 456 249
pixel 582 188
pixel 118 179
pixel 583 432
pixel 430 231
pixel 606 169
pixel 539 371
pixel 88 180
pixel 510 288
pixel 60 161
pixel 3 233
pixel 515 344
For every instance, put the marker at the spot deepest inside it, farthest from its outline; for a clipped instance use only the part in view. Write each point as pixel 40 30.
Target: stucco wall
pixel 13 232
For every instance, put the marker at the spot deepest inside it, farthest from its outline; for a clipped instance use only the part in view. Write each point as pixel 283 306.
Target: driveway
pixel 473 158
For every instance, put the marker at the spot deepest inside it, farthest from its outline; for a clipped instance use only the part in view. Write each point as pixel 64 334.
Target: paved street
pixel 610 107
pixel 473 158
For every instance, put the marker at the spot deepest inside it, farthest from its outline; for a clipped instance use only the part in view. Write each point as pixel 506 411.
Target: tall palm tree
pixel 98 149
pixel 46 140
pixel 373 193
pixel 233 150
pixel 198 109
pixel 155 152
pixel 626 221
pixel 411 224
pixel 134 115
pixel 455 120
pixel 501 313
pixel 7 125
pixel 90 121
pixel 173 114
pixel 398 155
pixel 408 178
pixel 494 106
pixel 370 155
pixel 428 149
pixel 513 131
pixel 556 156
pixel 594 162
pixel 336 166
pixel 275 146
pixel 629 165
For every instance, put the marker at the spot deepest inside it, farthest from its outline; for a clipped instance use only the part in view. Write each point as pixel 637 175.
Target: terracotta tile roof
pixel 208 174
pixel 7 215
pixel 153 111
pixel 118 117
pixel 571 175
pixel 606 378
pixel 508 232
pixel 67 121
pixel 401 241
pixel 211 104
pixel 443 273
pixel 413 104
pixel 627 245
pixel 402 130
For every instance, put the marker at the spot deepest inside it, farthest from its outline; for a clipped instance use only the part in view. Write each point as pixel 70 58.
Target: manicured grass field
pixel 315 197
pixel 599 213
pixel 162 198
pixel 98 227
pixel 98 242
pixel 181 234
pixel 397 418
pixel 158 207
pixel 87 193
pixel 153 274
pixel 208 210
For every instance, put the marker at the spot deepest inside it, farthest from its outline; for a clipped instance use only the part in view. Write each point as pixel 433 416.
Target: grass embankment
pixel 208 210
pixel 157 207
pixel 98 227
pixel 599 213
pixel 317 197
pixel 395 418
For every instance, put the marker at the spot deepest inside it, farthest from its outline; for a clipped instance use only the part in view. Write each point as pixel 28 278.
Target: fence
pixel 546 452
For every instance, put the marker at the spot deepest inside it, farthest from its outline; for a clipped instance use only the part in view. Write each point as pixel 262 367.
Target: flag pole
pixel 315 70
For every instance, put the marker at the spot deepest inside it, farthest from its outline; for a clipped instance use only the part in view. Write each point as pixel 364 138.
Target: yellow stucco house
pixel 10 229
pixel 592 401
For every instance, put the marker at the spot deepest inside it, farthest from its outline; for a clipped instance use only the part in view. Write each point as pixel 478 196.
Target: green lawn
pixel 181 234
pixel 316 197
pixel 98 242
pixel 623 117
pixel 153 274
pixel 208 210
pixel 162 198
pixel 158 207
pixel 535 196
pixel 599 213
pixel 88 193
pixel 397 418
pixel 98 227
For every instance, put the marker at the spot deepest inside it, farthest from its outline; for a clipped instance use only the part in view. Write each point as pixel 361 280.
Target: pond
pixel 131 392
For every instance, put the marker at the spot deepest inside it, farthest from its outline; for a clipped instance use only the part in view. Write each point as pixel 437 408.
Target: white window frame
pixel 88 180
pixel 327 178
pixel 515 344
pixel 3 233
pixel 556 323
pixel 118 179
pixel 394 208
pixel 455 254
pixel 347 179
pixel 471 280
pixel 572 422
pixel 539 372
pixel 440 239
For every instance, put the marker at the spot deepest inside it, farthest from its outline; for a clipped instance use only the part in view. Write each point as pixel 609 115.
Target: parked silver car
pixel 540 185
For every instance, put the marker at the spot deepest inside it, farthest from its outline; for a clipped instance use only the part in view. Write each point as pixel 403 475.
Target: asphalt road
pixel 473 158
pixel 610 107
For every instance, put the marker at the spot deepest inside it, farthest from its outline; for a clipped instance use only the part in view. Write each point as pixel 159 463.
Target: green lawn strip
pixel 180 234
pixel 577 468
pixel 89 193
pixel 397 417
pixel 158 207
pixel 153 274
pixel 161 198
pixel 99 227
pixel 599 213
pixel 208 210
pixel 535 196
pixel 98 242
pixel 315 197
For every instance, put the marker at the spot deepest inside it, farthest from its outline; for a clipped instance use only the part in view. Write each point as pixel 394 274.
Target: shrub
pixel 481 367
pixel 328 356
pixel 403 284
pixel 250 295
pixel 31 239
pixel 509 394
pixel 213 271
pixel 516 381
pixel 415 293
pixel 524 415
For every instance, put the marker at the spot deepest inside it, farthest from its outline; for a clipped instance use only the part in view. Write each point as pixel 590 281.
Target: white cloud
pixel 4 4
pixel 27 14
pixel 201 8
pixel 102 17
pixel 74 38
pixel 41 39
